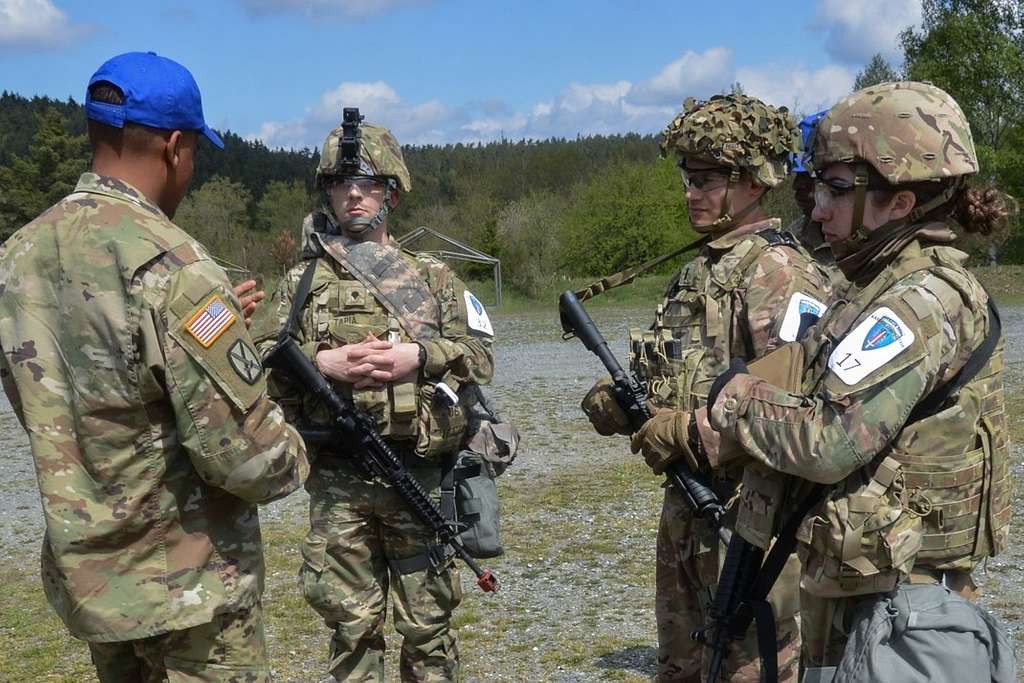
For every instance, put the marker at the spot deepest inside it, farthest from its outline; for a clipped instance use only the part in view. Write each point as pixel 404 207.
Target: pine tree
pixel 32 183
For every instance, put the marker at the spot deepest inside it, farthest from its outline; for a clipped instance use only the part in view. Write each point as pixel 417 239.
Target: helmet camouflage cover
pixel 379 155
pixel 907 131
pixel 737 131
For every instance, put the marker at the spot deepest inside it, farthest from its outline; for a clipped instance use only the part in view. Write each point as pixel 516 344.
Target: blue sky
pixel 440 71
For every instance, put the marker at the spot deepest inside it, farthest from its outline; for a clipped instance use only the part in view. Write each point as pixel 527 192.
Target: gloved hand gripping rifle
pixel 631 396
pixel 358 431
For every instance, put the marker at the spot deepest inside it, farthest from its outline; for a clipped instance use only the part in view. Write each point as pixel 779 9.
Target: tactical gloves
pixel 667 437
pixel 604 411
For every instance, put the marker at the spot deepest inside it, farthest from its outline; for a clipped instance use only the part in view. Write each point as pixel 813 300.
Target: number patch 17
pixel 871 344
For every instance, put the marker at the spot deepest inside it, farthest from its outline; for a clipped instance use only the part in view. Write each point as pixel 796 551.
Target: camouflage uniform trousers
pixel 359 527
pixel 826 624
pixel 689 556
pixel 229 649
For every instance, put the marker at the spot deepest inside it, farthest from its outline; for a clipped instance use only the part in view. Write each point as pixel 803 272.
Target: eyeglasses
pixel 828 192
pixel 703 179
pixel 365 184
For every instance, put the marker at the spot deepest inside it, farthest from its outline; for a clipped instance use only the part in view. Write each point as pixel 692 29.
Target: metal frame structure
pixel 467 254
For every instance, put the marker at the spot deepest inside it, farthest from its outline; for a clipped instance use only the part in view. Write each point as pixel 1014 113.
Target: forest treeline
pixel 548 209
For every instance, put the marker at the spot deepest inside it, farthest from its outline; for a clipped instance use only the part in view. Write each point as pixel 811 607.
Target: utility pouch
pixel 865 537
pixel 925 633
pixel 441 425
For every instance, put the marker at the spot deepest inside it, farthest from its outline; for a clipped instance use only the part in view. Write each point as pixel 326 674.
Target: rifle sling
pixel 406 295
pixel 626 276
pixel 298 301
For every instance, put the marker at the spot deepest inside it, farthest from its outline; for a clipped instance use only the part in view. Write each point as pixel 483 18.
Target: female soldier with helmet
pixel 900 412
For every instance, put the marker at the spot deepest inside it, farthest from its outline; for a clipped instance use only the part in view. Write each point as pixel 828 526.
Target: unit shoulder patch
pixel 874 342
pixel 245 362
pixel 476 316
pixel 799 304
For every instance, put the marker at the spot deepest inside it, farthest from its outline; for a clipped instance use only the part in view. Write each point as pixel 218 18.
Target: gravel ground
pixel 577 581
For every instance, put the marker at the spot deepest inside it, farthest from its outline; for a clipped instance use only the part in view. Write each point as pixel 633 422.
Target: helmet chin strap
pixel 725 220
pixel 859 234
pixel 359 226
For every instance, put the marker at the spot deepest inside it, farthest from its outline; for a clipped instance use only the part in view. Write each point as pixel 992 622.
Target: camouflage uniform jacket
pixel 151 449
pixel 869 363
pixel 732 301
pixel 340 310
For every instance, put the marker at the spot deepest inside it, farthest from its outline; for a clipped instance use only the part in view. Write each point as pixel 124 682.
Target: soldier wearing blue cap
pixel 804 228
pixel 127 359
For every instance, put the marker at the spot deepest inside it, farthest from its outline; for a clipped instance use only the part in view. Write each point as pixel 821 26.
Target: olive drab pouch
pixel 469 492
pixel 864 537
pixel 488 434
pixel 925 633
pixel 477 506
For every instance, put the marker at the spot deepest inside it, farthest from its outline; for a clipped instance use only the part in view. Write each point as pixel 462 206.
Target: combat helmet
pixel 372 151
pixel 739 132
pixel 907 131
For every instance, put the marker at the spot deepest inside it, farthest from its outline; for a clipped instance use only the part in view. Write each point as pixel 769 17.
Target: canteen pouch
pixel 476 505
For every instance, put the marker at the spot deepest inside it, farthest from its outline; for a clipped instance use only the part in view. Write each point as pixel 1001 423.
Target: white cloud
pixel 856 31
pixel 693 74
pixel 579 109
pixel 801 90
pixel 421 123
pixel 36 24
pixel 317 9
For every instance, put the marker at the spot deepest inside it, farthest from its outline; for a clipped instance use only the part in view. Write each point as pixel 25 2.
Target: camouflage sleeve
pixel 782 279
pixel 192 334
pixel 465 345
pixel 905 344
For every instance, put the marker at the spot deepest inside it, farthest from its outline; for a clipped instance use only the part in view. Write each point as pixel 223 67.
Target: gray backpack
pixel 925 633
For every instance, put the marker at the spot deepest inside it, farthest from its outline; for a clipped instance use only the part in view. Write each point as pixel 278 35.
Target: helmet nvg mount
pixel 357 149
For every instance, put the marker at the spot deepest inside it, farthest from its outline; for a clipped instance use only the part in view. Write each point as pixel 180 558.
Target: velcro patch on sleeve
pixel 799 304
pixel 210 321
pixel 870 345
pixel 476 316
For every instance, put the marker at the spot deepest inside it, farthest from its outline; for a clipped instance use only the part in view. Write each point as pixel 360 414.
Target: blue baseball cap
pixel 158 92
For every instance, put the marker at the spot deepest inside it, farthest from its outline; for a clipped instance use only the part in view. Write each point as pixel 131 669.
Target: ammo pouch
pixel 925 633
pixel 865 536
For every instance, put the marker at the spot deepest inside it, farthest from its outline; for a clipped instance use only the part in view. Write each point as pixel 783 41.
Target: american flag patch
pixel 210 322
